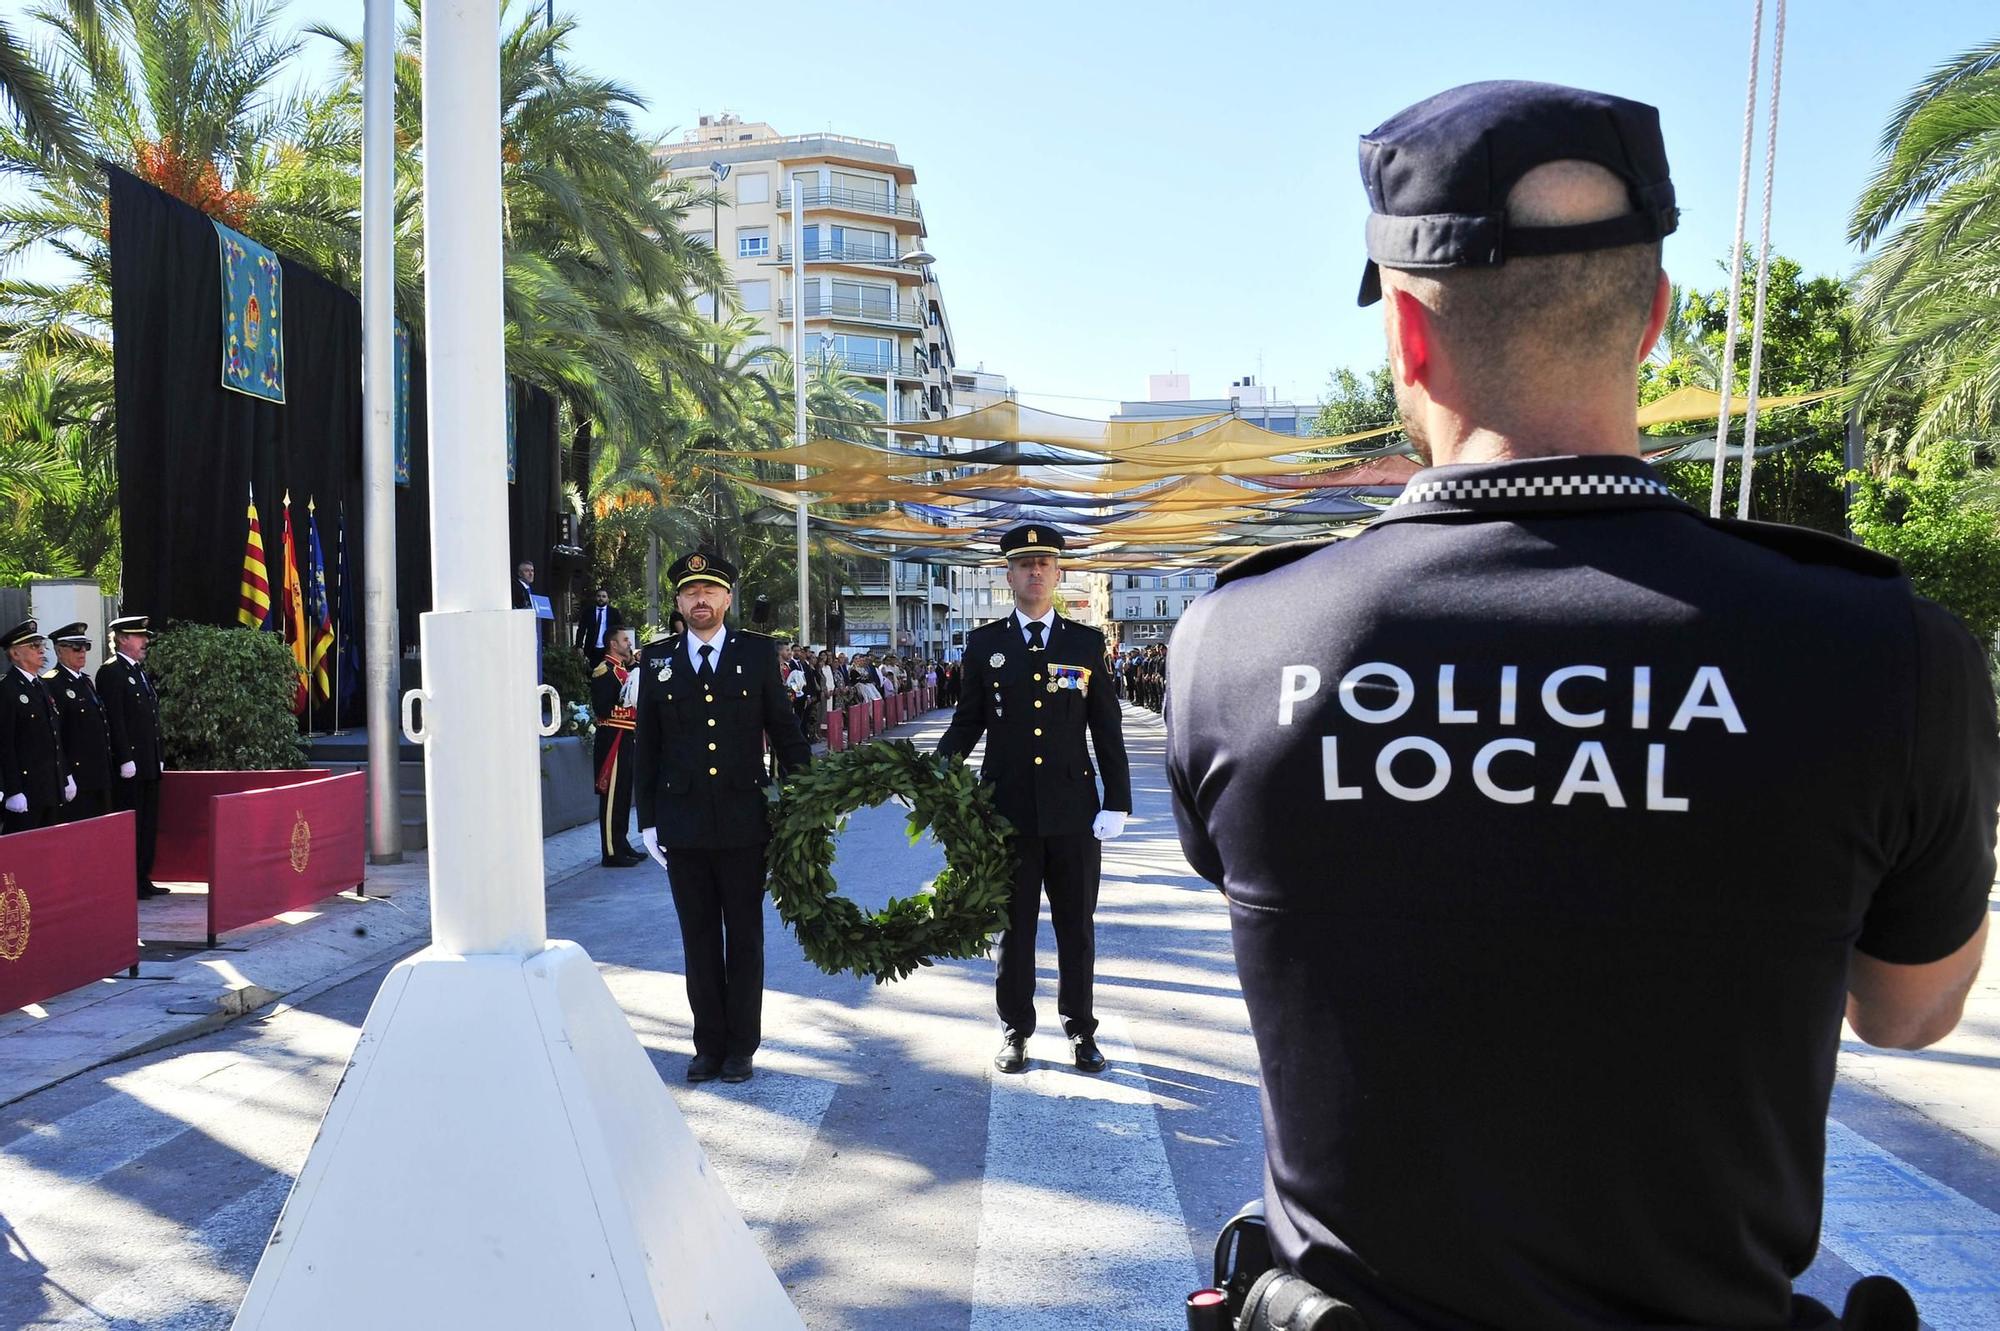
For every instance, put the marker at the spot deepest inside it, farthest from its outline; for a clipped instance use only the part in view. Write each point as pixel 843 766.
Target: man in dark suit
pixel 524 584
pixel 86 733
pixel 34 786
pixel 595 624
pixel 613 704
pixel 708 699
pixel 1035 684
pixel 132 711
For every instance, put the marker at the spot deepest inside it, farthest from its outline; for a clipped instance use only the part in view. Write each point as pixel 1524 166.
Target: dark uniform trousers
pixel 700 782
pixel 30 821
pixel 87 804
pixel 1042 713
pixel 132 709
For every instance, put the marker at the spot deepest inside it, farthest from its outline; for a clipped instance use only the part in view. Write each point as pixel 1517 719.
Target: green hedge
pixel 226 699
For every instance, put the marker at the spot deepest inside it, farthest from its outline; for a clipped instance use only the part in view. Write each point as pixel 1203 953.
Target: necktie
pixel 145 685
pixel 1035 627
pixel 600 627
pixel 706 670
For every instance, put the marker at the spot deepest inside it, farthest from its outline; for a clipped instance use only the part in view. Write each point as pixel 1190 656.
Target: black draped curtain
pixel 190 450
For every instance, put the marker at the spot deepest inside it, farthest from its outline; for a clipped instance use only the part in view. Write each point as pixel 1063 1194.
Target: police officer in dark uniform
pixel 34 785
pixel 708 700
pixel 614 689
pixel 132 709
pixel 86 734
pixel 1559 822
pixel 1035 685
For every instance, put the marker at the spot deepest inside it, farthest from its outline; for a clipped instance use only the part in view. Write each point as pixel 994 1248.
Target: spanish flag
pixel 253 605
pixel 296 629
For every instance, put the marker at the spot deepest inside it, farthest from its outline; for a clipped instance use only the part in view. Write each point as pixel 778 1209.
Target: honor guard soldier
pixel 614 691
pixel 708 700
pixel 86 733
pixel 133 710
pixel 1558 821
pixel 1036 685
pixel 33 779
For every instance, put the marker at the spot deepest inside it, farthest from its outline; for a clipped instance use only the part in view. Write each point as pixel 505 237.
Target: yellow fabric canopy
pixel 1695 404
pixel 1012 423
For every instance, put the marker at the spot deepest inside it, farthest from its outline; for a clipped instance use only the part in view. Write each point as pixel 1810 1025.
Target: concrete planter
pixel 569 792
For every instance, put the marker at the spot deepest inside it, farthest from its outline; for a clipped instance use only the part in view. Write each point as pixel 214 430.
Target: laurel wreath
pixel 956 916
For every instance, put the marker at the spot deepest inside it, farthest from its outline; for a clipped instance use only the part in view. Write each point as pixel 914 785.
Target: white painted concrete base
pixel 502 1155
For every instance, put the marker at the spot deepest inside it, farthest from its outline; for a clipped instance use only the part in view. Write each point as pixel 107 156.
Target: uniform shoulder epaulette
pixel 1809 546
pixel 48 674
pixel 602 666
pixel 753 635
pixel 1264 561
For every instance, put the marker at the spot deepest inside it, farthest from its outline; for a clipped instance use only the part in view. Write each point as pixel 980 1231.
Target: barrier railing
pixel 181 855
pixel 283 848
pixel 68 913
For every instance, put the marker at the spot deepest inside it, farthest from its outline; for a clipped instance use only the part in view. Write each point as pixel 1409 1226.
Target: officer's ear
pixel 1409 338
pixel 1656 322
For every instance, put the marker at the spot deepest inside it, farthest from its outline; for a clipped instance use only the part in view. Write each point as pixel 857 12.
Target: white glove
pixel 17 804
pixel 651 837
pixel 128 770
pixel 1110 825
pixel 69 789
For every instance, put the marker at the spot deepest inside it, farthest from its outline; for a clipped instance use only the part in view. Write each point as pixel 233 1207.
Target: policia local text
pixel 1510 769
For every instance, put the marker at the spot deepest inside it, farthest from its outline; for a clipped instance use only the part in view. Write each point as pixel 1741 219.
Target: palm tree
pixel 1931 214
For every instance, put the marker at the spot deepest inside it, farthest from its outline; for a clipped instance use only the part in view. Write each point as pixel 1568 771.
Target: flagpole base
pixel 502 1155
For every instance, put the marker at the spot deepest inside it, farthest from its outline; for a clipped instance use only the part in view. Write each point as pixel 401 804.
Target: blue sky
pixel 1119 188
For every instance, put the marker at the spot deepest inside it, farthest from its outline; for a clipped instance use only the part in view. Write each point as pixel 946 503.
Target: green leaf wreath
pixel 956 917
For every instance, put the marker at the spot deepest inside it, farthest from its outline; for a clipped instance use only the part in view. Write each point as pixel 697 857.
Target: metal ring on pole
pixel 550 703
pixel 413 732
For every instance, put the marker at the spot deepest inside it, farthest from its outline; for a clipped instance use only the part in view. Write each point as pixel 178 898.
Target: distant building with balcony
pixel 852 202
pixel 1247 399
pixel 1144 607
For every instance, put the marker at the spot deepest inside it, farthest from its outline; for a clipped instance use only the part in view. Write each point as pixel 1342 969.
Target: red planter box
pixel 68 912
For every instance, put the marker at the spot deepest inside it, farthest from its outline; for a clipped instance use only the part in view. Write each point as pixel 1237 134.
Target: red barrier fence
pixel 68 912
pixel 182 852
pixel 876 711
pixel 284 848
pixel 836 731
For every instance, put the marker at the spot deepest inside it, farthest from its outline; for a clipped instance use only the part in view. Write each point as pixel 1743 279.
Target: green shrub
pixel 1939 518
pixel 562 669
pixel 226 699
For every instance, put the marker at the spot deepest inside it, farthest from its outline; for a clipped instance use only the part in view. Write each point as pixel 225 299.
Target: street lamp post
pixel 378 400
pixel 799 392
pixel 918 258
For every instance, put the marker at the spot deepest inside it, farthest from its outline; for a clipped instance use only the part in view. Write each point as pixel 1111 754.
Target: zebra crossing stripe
pixel 1080 1225
pixel 1884 1215
pixel 756 1137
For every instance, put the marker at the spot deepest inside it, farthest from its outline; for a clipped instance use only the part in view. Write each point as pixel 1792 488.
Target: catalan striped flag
pixel 296 630
pixel 253 605
pixel 319 616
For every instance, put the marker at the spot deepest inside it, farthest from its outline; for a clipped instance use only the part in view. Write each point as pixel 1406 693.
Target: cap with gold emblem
pixel 71 635
pixel 1033 539
pixel 23 633
pixel 701 567
pixel 139 626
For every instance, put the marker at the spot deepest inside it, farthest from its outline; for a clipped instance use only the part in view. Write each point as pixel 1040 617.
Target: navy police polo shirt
pixel 1548 811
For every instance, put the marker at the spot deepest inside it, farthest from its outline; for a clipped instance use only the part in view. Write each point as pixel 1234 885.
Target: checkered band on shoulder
pixel 1499 488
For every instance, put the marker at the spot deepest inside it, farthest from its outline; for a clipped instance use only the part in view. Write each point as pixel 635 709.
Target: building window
pixel 753 242
pixel 1160 608
pixel 864 355
pixel 753 189
pixel 1131 607
pixel 754 297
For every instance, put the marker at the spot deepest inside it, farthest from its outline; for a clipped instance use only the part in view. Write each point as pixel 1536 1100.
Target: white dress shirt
pixel 694 646
pixel 1047 621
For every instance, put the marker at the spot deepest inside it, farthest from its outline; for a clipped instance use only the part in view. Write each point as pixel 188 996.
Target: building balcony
pixel 866 202
pixel 879 367
pixel 909 314
pixel 855 256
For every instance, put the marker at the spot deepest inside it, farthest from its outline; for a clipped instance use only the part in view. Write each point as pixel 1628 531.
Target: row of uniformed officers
pixel 74 746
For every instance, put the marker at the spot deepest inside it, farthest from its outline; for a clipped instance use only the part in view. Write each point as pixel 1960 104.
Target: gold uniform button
pixel 708 697
pixel 711 771
pixel 1038 679
pixel 1038 730
pixel 711 720
pixel 1038 703
pixel 1038 762
pixel 711 743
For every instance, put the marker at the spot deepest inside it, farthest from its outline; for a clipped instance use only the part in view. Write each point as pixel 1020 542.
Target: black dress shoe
pixel 737 1068
pixel 624 861
pixel 1013 1055
pixel 703 1067
pixel 152 890
pixel 1087 1057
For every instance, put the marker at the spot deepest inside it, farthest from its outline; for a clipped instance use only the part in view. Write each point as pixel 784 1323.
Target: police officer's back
pixel 1550 812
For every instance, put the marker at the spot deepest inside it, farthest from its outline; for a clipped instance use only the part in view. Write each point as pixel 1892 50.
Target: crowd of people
pixel 1142 676
pixel 824 680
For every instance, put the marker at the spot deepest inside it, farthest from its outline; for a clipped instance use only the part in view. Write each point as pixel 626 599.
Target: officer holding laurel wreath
pixel 708 699
pixel 1035 684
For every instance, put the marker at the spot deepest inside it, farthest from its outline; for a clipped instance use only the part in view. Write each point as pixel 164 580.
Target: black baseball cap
pixel 1438 175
